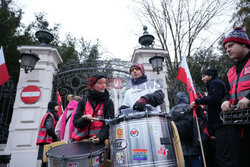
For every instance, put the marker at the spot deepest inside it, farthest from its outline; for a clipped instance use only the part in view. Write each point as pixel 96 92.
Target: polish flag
pixel 4 75
pixel 185 77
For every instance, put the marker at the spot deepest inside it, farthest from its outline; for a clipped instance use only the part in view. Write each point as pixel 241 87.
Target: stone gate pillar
pixel 143 55
pixel 26 118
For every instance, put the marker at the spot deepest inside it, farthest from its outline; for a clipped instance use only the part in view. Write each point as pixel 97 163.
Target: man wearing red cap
pixel 142 93
pixel 237 46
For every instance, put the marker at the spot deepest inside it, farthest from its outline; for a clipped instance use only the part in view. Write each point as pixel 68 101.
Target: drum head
pixel 76 149
pixel 129 110
pixel 128 114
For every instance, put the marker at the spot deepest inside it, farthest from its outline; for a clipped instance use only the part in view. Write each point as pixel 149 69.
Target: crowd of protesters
pixel 227 146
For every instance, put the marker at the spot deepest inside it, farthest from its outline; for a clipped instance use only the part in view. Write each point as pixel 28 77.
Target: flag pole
pixel 62 109
pixel 175 81
pixel 201 145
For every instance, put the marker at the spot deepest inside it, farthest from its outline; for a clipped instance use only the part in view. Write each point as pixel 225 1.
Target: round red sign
pixel 30 94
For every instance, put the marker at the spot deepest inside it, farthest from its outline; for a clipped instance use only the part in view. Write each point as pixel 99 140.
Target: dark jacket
pixel 188 144
pixel 49 125
pixel 216 92
pixel 94 99
pixel 49 120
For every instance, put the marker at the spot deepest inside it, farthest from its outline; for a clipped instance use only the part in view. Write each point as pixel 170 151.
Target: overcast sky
pixel 111 21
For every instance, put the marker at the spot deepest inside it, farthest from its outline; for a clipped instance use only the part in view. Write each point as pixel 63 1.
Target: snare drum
pixel 142 139
pixel 77 154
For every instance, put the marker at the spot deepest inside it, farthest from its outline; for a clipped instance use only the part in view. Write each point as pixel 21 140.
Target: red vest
pixel 43 136
pixel 239 87
pixel 95 126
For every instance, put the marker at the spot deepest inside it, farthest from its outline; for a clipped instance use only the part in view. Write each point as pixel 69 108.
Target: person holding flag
pixel 216 93
pixel 3 69
pixel 183 119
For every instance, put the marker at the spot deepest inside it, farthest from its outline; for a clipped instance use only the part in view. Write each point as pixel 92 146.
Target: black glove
pixel 140 104
pixel 198 101
pixel 123 107
pixel 55 139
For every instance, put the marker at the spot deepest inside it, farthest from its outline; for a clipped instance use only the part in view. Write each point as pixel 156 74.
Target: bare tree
pixel 178 24
pixel 183 27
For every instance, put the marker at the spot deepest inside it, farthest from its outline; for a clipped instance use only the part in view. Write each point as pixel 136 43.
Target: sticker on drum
pixel 120 159
pixel 140 154
pixel 155 129
pixel 120 144
pixel 74 164
pixel 102 158
pixel 119 133
pixel 95 161
pixel 134 132
pixel 162 151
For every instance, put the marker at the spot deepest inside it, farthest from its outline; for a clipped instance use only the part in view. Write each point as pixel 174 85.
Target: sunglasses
pixel 136 69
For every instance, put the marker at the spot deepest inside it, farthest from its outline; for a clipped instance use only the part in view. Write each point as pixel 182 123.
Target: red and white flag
pixel 185 77
pixel 4 75
pixel 59 101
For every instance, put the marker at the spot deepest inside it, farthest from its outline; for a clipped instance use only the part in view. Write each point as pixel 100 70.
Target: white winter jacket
pixel 135 92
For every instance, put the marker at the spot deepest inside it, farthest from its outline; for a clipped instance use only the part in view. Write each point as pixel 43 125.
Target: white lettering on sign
pixel 30 94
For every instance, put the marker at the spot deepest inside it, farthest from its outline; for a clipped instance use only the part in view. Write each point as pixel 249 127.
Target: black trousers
pixel 210 153
pixel 232 149
pixel 40 155
pixel 223 147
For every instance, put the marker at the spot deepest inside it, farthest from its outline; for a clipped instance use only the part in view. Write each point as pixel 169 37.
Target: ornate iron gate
pixel 72 78
pixel 7 99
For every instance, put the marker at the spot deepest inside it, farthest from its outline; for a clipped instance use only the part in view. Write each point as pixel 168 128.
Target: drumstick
pixel 106 121
pixel 87 140
pixel 98 119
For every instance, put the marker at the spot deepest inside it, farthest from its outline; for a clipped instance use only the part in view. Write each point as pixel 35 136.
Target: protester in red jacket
pixel 98 104
pixel 237 46
pixel 46 134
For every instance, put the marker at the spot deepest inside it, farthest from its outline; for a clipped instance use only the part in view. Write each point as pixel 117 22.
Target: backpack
pixel 183 121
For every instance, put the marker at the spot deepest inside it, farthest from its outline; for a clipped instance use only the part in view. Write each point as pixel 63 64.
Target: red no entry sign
pixel 30 94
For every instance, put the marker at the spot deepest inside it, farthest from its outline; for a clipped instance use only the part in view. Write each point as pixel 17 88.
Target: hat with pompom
pixel 237 35
pixel 137 65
